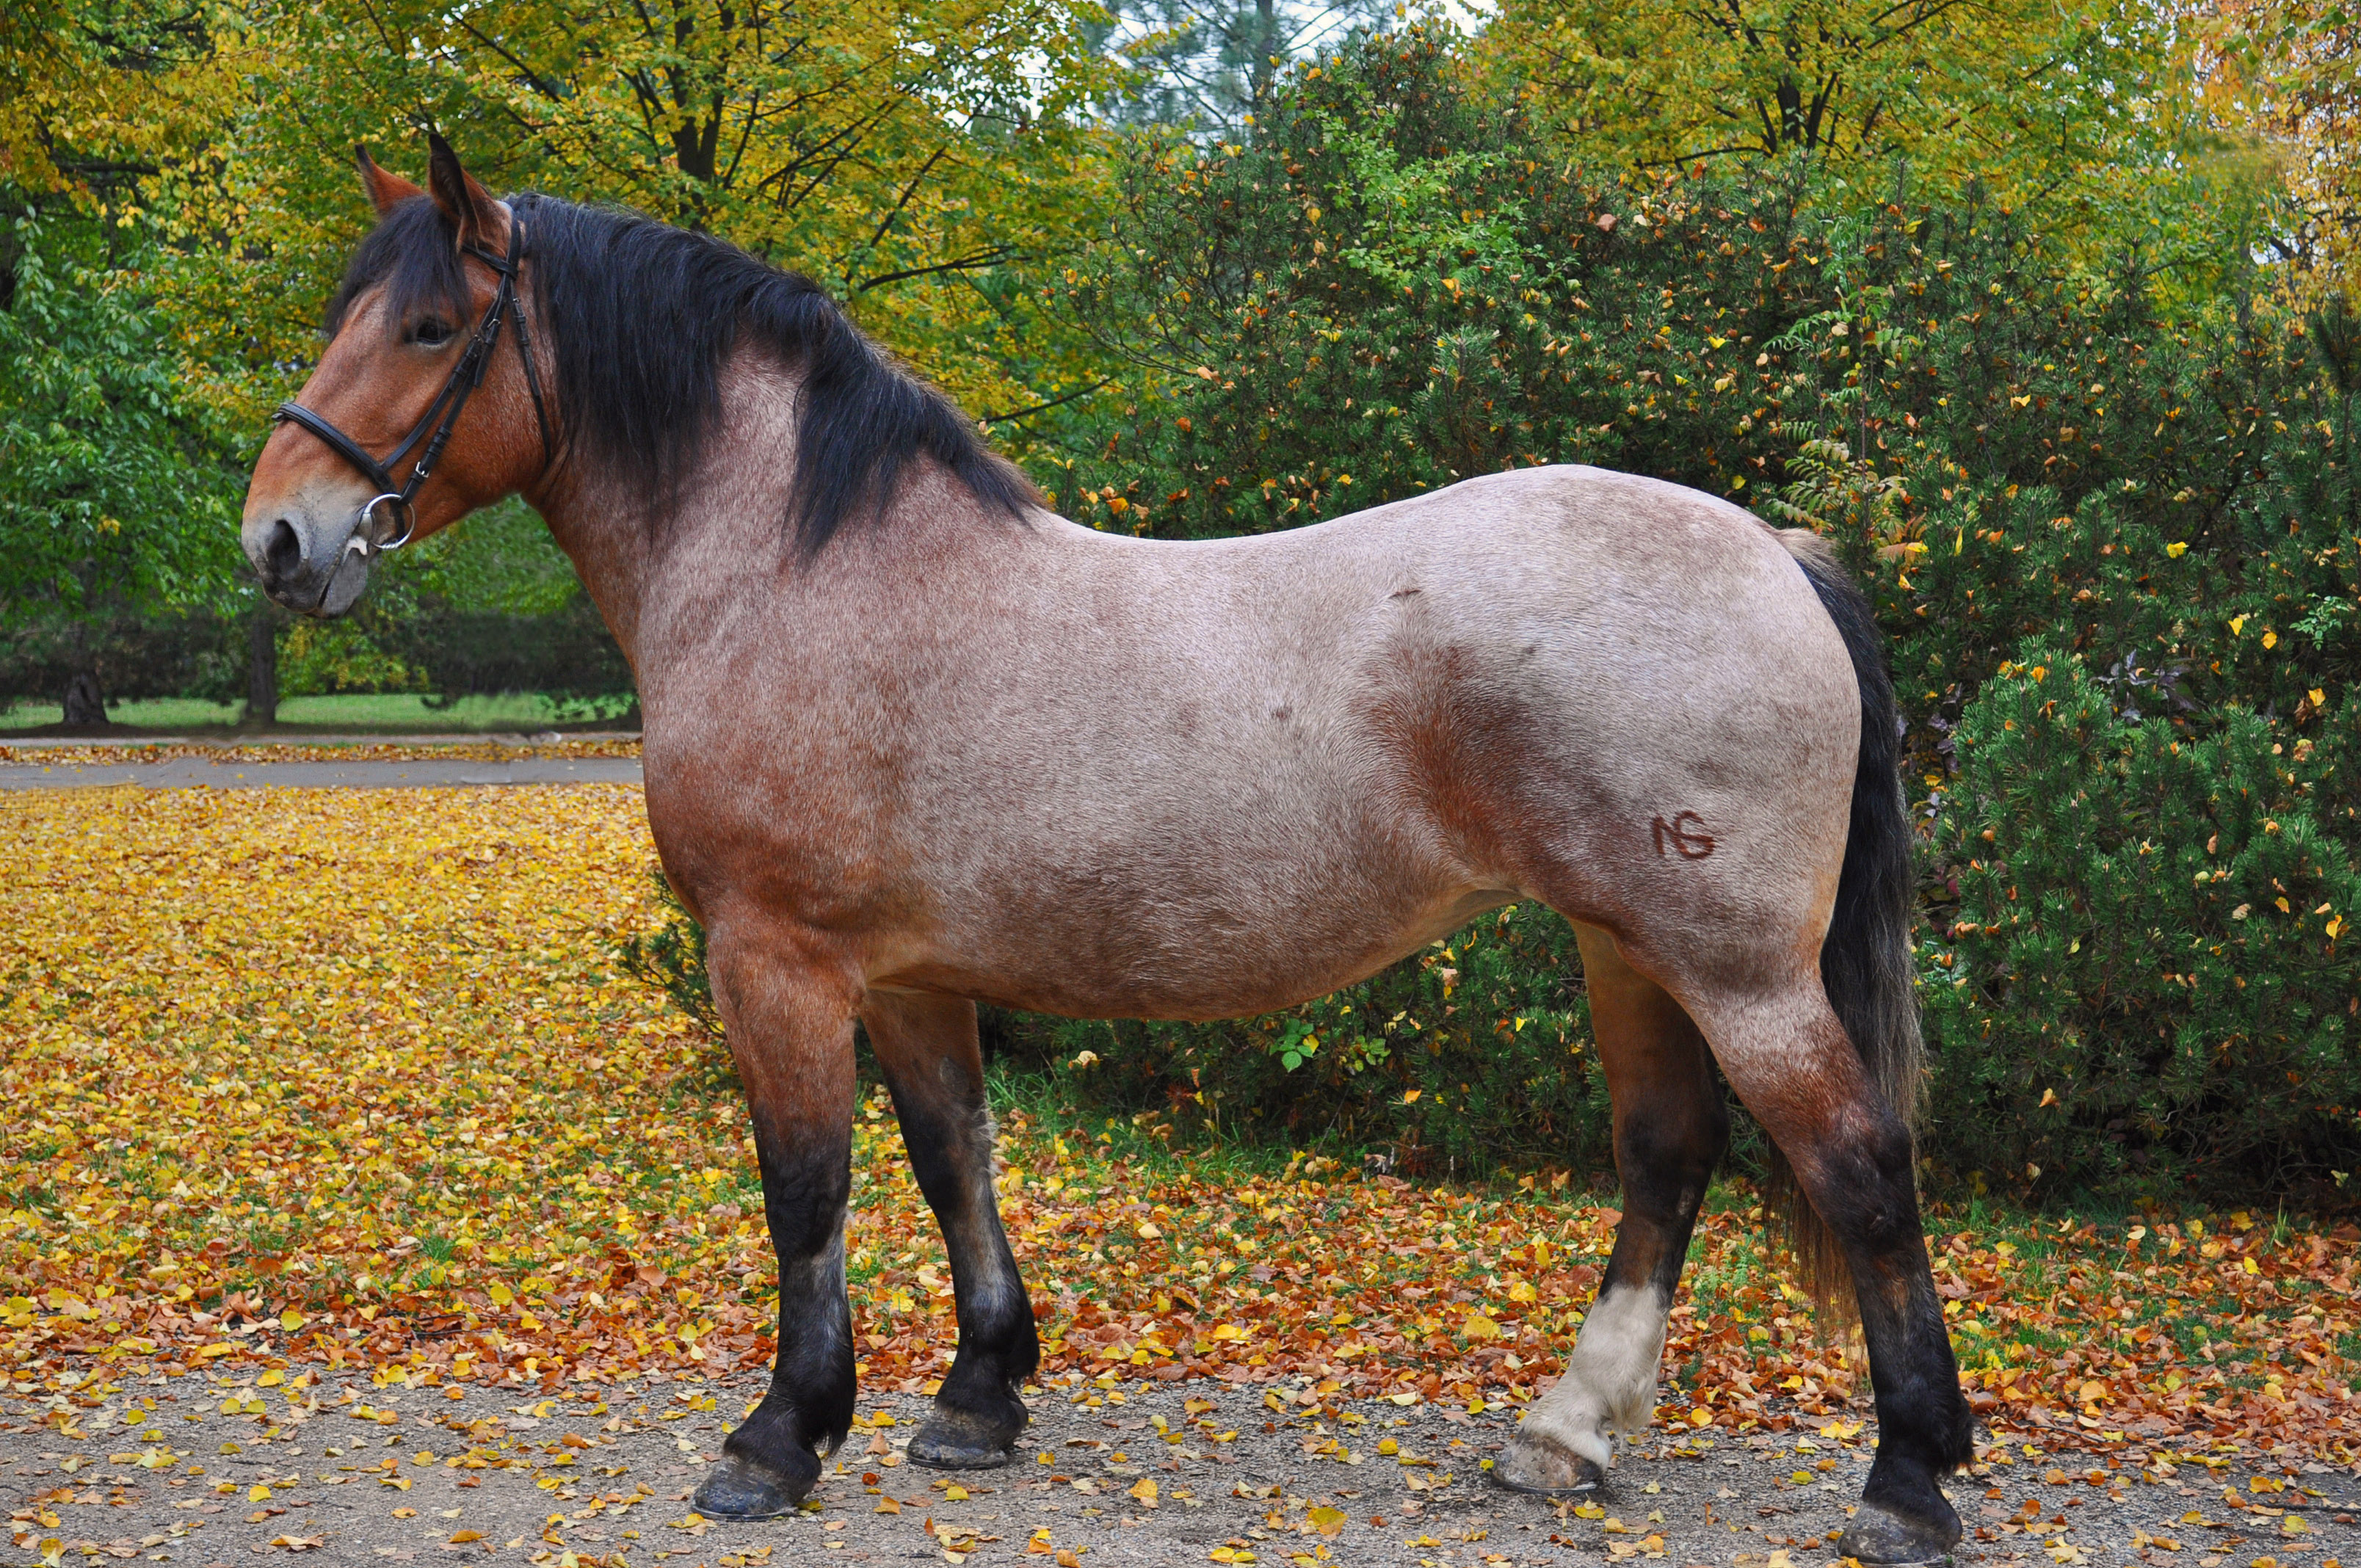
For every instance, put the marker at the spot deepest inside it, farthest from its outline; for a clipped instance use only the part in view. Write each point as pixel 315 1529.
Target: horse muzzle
pixel 319 565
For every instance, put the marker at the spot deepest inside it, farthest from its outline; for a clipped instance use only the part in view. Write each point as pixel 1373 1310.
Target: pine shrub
pixel 2138 970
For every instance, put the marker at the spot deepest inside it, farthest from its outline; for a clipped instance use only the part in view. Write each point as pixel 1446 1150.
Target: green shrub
pixel 2141 969
pixel 199 654
pixel 1391 286
pixel 671 957
pixel 1398 283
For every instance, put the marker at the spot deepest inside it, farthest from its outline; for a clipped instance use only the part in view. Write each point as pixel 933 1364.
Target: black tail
pixel 1865 961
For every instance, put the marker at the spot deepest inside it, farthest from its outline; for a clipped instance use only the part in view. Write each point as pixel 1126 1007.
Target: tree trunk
pixel 1266 47
pixel 85 705
pixel 262 666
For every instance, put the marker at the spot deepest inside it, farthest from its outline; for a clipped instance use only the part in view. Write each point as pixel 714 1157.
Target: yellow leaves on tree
pixel 2283 77
pixel 2020 93
pixel 916 162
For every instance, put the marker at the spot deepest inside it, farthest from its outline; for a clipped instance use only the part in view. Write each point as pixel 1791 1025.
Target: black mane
pixel 641 316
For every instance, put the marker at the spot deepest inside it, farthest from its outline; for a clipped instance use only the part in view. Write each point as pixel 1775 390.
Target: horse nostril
pixel 283 553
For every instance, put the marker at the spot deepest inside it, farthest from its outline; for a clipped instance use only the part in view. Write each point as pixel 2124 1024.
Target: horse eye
pixel 431 333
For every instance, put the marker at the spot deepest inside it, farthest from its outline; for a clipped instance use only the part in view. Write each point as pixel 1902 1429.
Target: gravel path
pixel 191 772
pixel 325 1465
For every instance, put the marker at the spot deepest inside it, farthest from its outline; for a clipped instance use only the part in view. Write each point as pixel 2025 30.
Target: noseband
pixel 441 415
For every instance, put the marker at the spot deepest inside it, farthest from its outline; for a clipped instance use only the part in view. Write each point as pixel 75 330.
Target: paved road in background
pixel 191 773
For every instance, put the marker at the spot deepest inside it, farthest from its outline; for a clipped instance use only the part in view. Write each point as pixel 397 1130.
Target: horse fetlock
pixel 975 1424
pixel 1904 1516
pixel 961 1437
pixel 1958 1425
pixel 1610 1380
pixel 1633 1407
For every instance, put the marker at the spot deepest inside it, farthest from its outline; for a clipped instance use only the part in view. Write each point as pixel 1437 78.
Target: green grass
pixel 161 713
pixel 402 711
pixel 1146 1142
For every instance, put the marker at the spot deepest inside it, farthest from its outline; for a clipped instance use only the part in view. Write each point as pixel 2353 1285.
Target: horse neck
pixel 634 562
pixel 600 530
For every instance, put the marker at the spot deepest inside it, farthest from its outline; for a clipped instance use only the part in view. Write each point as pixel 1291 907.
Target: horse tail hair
pixel 1865 961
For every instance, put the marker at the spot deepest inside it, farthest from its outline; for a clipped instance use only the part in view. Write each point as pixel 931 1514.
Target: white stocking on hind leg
pixel 1670 1129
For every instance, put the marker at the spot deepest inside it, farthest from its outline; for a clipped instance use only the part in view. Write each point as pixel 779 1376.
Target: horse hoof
pixel 1889 1540
pixel 738 1489
pixel 1545 1469
pixel 954 1441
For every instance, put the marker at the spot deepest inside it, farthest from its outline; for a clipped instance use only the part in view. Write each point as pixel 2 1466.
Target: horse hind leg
pixel 927 1051
pixel 1788 1056
pixel 1670 1130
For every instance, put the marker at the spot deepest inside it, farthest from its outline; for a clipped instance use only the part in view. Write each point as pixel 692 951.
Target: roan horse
pixel 913 740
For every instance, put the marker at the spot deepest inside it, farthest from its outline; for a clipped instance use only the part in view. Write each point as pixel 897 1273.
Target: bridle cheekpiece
pixel 441 415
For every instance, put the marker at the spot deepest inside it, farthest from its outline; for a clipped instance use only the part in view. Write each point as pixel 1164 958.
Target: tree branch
pixel 963 264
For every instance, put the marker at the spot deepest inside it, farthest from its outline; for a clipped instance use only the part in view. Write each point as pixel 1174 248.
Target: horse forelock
pixel 641 319
pixel 415 254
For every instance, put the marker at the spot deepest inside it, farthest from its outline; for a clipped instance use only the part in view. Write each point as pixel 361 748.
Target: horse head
pixel 411 420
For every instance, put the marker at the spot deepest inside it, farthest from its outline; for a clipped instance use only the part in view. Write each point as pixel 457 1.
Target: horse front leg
pixel 926 1049
pixel 790 1029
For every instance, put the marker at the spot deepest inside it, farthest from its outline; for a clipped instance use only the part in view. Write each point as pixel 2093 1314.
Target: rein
pixel 441 415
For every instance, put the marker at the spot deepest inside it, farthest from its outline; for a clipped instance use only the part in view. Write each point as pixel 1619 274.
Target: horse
pixel 914 741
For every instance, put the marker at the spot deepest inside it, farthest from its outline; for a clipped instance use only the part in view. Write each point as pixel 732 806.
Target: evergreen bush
pixel 1472 1054
pixel 2137 969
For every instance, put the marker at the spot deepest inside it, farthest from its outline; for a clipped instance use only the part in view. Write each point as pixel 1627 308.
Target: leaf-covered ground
pixel 349 1079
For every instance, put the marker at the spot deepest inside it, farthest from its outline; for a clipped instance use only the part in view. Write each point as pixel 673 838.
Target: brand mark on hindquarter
pixel 1685 832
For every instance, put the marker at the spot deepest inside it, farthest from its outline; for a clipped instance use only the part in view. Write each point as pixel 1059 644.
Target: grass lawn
pixel 362 1063
pixel 354 711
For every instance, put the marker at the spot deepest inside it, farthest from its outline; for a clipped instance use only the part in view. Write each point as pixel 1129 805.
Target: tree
pixel 2032 97
pixel 115 493
pixel 926 164
pixel 2286 77
pixel 1209 65
pixel 114 485
pixel 95 94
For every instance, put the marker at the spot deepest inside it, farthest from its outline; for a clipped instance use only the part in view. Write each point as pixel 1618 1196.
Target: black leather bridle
pixel 441 415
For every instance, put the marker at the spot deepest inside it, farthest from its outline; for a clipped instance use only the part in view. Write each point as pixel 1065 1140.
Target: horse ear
pixel 386 192
pixel 468 205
